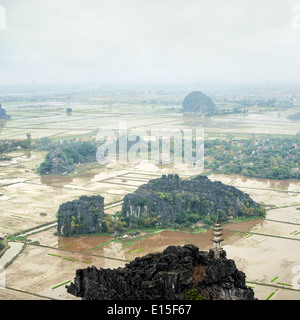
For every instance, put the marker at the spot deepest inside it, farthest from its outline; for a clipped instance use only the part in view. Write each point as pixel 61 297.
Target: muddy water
pixel 129 249
pixel 157 242
pixel 62 180
pixel 82 244
pixel 55 181
pixel 251 182
pixel 113 250
pixel 272 183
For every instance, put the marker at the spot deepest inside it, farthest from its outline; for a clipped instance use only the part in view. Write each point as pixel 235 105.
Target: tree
pixel 69 111
pixel 28 139
pixel 112 223
pixel 193 218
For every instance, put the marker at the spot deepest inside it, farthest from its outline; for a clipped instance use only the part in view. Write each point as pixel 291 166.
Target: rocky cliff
pixel 81 216
pixel 3 114
pixel 174 200
pixel 169 275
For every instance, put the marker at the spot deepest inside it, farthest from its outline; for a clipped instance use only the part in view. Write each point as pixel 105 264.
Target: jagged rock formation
pixel 3 115
pixel 173 200
pixel 197 101
pixel 81 216
pixel 165 276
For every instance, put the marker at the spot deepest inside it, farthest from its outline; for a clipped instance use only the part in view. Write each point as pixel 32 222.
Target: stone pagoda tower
pixel 218 250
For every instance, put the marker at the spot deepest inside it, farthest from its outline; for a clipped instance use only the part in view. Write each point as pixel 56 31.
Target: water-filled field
pixel 266 250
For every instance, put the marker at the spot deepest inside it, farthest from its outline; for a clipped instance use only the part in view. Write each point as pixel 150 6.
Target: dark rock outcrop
pixel 165 276
pixel 197 101
pixel 3 114
pixel 172 199
pixel 81 216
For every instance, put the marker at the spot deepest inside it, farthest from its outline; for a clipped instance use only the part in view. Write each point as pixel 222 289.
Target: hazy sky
pixel 149 41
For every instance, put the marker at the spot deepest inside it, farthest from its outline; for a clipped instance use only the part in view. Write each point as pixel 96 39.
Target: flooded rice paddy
pixel 266 250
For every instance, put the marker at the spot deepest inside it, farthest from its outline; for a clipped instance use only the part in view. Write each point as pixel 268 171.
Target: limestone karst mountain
pixel 197 101
pixel 81 216
pixel 174 200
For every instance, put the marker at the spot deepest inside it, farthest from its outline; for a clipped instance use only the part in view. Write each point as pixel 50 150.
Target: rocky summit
pixel 171 275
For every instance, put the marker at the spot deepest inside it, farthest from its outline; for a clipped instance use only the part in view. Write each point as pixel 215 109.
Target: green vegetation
pixel 70 259
pixel 270 295
pixel 174 203
pixel 2 244
pixel 285 284
pixel 150 220
pixel 63 157
pixel 11 145
pixel 17 238
pixel 66 245
pixel 59 285
pixel 54 255
pixel 193 294
pixel 112 224
pixel 274 279
pixel 99 246
pixel 167 196
pixel 269 158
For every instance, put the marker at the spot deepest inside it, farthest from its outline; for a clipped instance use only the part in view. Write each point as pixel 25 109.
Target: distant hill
pixel 197 101
pixel 3 115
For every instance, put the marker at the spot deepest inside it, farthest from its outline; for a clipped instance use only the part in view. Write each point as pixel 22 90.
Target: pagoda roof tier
pixel 217 241
pixel 217 230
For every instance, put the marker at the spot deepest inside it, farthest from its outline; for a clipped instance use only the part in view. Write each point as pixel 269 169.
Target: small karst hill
pixel 197 101
pixel 3 114
pixel 64 158
pixel 175 200
pixel 80 216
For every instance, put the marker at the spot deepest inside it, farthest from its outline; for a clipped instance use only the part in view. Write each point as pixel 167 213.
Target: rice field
pixel 266 250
